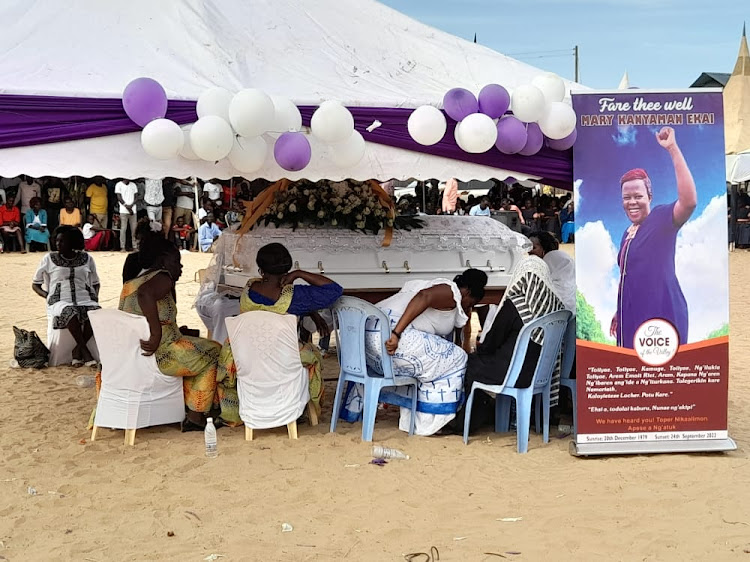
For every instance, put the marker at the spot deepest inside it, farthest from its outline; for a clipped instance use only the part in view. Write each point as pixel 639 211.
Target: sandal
pixel 91 363
pixel 76 363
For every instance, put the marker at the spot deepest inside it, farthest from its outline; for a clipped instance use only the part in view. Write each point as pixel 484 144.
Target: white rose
pixel 292 208
pixel 321 214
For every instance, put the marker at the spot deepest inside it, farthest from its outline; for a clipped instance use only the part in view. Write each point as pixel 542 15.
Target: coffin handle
pixel 385 266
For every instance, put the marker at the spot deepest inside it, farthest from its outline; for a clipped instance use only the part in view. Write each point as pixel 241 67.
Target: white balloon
pixel 332 122
pixel 214 101
pixel 286 115
pixel 211 138
pixel 551 86
pixel 558 121
pixel 162 139
pixel 251 112
pixel 427 125
pixel 476 133
pixel 349 152
pixel 187 150
pixel 248 154
pixel 528 103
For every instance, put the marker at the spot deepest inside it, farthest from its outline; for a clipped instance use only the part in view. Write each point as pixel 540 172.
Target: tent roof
pixel 359 52
pixel 711 80
pixel 737 103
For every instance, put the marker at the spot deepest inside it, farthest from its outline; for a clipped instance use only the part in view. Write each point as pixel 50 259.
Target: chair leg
pixel 523 421
pixel 130 437
pixel 537 412
pixel 248 433
pixel 312 413
pixel 545 401
pixel 573 392
pixel 292 429
pixel 502 413
pixel 337 402
pixel 370 409
pixel 93 432
pixel 467 414
pixel 413 423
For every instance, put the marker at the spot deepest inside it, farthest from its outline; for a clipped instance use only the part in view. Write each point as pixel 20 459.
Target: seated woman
pixel 145 230
pixel 37 234
pixel 95 237
pixel 529 296
pixel 567 220
pixel 274 292
pixel 424 315
pixel 562 271
pixel 152 294
pixel 541 243
pixel 10 224
pixel 69 214
pixel 72 290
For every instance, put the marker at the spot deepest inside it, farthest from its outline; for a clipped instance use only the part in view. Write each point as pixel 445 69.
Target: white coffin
pixel 445 247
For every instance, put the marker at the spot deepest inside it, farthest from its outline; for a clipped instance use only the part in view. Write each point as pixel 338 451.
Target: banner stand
pixel 652 273
pixel 650 447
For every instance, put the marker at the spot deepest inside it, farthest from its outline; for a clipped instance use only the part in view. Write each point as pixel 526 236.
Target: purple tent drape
pixel 30 120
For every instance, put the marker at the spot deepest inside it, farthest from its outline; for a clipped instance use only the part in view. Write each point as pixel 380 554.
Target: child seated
pixel 94 236
pixel 182 233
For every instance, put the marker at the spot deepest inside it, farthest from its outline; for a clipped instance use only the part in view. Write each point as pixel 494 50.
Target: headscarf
pixel 563 275
pixel 530 291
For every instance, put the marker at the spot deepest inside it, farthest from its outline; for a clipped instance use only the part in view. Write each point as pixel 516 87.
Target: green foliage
pixel 723 331
pixel 587 326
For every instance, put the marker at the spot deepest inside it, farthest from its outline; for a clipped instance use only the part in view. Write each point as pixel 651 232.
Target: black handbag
pixel 29 350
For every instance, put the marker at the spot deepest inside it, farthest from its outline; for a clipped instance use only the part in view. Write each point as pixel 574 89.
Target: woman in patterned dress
pixel 72 290
pixel 423 317
pixel 275 292
pixel 152 294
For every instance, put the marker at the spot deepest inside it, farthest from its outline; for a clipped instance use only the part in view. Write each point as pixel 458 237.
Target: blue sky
pixel 661 43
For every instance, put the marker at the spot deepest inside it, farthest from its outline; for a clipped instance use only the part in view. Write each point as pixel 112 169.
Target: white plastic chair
pixel 566 367
pixel 61 344
pixel 272 383
pixel 134 393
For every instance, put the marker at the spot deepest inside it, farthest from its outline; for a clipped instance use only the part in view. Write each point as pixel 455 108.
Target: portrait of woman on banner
pixel 648 286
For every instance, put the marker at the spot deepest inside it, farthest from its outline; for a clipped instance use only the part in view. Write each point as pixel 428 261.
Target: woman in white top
pixel 424 315
pixel 562 270
pixel 72 289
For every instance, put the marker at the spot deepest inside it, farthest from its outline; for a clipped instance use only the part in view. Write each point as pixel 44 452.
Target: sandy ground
pixel 105 501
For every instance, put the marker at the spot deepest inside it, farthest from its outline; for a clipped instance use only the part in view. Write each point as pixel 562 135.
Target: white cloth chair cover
pixel 272 384
pixel 60 344
pixel 134 393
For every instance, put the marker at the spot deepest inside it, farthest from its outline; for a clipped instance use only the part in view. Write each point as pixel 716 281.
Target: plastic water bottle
pixel 86 381
pixel 209 434
pixel 380 452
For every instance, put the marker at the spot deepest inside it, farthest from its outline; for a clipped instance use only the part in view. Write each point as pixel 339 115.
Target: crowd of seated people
pixel 107 211
pixel 534 212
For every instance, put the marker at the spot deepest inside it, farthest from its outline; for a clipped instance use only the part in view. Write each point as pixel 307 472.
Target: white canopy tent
pixel 737 117
pixel 359 52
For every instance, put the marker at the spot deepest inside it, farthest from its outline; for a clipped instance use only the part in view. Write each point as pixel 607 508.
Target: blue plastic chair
pixel 554 326
pixel 350 315
pixel 566 368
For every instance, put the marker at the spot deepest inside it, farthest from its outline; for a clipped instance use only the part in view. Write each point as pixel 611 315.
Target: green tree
pixel 723 331
pixel 587 326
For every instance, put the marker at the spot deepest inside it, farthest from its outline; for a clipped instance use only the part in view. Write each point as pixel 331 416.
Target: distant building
pixel 711 80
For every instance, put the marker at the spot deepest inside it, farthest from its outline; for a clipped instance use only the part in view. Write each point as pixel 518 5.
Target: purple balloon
pixel 534 140
pixel 511 135
pixel 564 143
pixel 292 151
pixel 494 100
pixel 144 100
pixel 459 103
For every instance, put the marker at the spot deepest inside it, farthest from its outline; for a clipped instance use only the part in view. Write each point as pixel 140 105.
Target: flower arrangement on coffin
pixel 350 204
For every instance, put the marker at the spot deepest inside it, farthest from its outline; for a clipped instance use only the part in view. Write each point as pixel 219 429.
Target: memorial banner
pixel 652 355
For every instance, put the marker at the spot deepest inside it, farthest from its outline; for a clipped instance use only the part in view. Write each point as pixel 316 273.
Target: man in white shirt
pixel 213 191
pixel 127 195
pixel 184 203
pixel 27 190
pixel 153 197
pixel 207 233
pixel 481 210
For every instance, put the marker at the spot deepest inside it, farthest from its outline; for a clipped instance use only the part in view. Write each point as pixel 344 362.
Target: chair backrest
pixel 568 349
pixel 272 383
pixel 554 326
pixel 350 316
pixel 118 336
